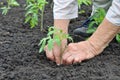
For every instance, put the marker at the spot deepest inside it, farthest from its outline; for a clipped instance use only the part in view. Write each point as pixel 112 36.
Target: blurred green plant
pixel 10 3
pixel 35 10
pixel 96 19
pixel 83 2
pixel 118 37
pixel 86 2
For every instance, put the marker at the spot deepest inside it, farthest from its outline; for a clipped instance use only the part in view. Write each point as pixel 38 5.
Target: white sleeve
pixel 65 9
pixel 113 14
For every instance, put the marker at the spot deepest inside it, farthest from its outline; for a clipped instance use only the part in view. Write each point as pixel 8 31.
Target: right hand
pixel 56 53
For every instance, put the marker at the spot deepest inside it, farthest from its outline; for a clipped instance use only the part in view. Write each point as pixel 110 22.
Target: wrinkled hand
pixel 56 53
pixel 77 52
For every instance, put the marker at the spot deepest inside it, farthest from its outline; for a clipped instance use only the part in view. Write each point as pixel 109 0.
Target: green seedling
pixel 118 37
pixel 96 19
pixel 58 34
pixel 35 9
pixel 81 12
pixel 10 3
pixel 85 2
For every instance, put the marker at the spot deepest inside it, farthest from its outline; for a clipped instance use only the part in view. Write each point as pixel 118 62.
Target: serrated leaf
pixel 34 21
pixel 27 19
pixel 29 6
pixel 91 24
pixel 5 10
pixel 29 12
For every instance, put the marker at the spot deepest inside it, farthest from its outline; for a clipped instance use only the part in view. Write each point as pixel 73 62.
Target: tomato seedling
pixel 10 3
pixel 96 19
pixel 86 2
pixel 58 34
pixel 35 9
pixel 118 37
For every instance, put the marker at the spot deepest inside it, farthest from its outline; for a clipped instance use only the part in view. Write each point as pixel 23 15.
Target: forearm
pixel 103 35
pixel 63 11
pixel 62 24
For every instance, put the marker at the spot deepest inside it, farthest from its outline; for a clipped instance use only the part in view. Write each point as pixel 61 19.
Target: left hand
pixel 77 52
pixel 56 53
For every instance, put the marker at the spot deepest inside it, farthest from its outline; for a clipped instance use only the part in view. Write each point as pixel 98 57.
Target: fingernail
pixel 58 64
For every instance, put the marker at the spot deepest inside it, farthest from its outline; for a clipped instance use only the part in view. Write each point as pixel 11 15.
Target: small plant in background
pixel 96 19
pixel 49 40
pixel 118 37
pixel 35 9
pixel 85 2
pixel 10 3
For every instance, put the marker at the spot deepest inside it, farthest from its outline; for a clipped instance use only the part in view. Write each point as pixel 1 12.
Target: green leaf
pixel 50 33
pixel 13 3
pixel 50 44
pixel 70 38
pixel 5 10
pixel 91 30
pixel 34 20
pixel 86 2
pixel 27 19
pixel 58 41
pixel 51 29
pixel 28 12
pixel 96 19
pixel 118 38
pixel 81 11
pixel 42 43
pixel 29 6
pixel 91 24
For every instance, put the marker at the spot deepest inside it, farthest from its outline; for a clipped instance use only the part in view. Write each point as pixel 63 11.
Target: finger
pixel 77 59
pixel 80 57
pixel 67 51
pixel 49 54
pixel 69 60
pixel 65 56
pixel 57 55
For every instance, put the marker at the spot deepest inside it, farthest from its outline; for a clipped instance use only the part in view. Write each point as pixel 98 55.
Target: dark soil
pixel 20 60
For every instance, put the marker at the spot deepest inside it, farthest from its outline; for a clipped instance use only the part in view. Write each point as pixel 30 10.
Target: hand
pixel 56 53
pixel 77 52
